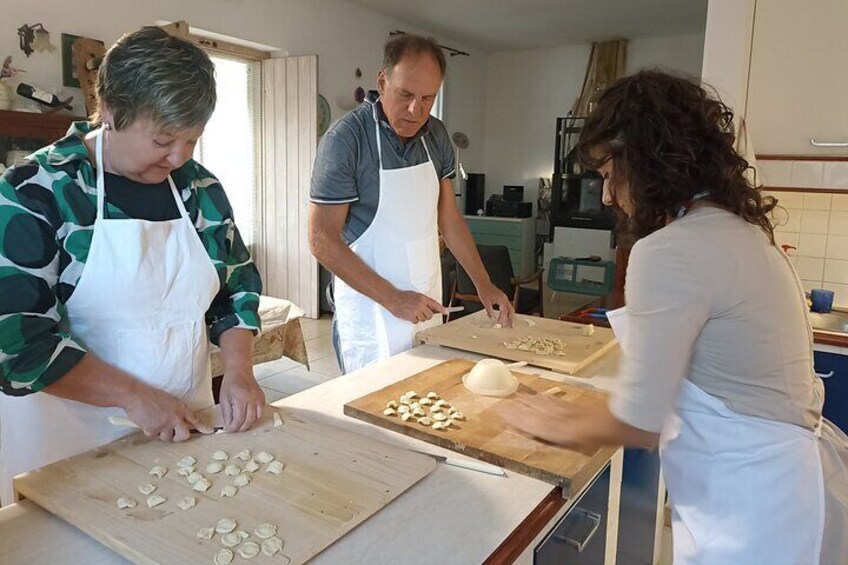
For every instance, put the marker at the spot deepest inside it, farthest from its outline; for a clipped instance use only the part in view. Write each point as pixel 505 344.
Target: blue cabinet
pixel 579 538
pixel 835 386
pixel 638 507
pixel 517 234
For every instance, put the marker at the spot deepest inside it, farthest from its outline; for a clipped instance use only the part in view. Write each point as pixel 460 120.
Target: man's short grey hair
pixel 153 75
pixel 407 44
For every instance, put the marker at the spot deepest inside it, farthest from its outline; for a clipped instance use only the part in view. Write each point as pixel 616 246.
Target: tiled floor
pixel 285 377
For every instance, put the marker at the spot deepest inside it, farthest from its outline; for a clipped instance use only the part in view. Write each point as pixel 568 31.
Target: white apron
pixel 747 490
pixel 401 245
pixel 139 305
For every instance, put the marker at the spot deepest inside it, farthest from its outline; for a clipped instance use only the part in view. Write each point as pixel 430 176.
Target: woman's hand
pixel 242 400
pixel 161 414
pixel 551 420
pixel 571 425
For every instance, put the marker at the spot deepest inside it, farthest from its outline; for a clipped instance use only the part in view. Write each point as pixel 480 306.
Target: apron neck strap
pixel 180 205
pixel 101 184
pixel 379 142
pixel 377 133
pixel 101 166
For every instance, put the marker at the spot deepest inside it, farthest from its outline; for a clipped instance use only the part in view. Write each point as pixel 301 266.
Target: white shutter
pixel 289 271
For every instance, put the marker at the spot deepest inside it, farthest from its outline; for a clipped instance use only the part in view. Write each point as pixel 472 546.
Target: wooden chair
pixel 499 266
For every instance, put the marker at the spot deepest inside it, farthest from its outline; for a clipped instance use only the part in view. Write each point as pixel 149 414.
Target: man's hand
pixel 490 295
pixel 161 414
pixel 413 306
pixel 242 400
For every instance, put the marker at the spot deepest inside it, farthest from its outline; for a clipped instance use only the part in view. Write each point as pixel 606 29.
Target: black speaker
pixel 475 190
pixel 513 193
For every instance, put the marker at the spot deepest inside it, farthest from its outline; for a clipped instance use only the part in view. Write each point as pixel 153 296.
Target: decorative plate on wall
pixel 323 115
pixel 460 140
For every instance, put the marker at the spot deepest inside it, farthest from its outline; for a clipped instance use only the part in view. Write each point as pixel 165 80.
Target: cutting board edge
pixel 85 527
pixel 553 364
pixel 594 357
pixel 132 553
pixel 571 486
pixel 542 475
pixel 355 524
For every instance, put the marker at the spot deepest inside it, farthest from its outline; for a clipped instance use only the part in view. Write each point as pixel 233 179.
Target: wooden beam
pixel 181 29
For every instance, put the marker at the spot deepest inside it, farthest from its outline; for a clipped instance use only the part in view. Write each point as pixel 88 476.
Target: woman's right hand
pixel 161 414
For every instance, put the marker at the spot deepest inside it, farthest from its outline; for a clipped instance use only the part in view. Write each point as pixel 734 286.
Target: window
pixel 229 147
pixel 437 110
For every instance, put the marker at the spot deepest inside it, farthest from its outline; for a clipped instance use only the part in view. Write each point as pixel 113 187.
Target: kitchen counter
pixel 431 522
pixel 828 329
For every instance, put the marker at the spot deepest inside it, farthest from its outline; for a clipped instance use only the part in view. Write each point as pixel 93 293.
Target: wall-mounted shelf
pixel 30 125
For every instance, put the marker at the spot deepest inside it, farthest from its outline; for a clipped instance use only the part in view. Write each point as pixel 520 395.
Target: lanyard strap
pixel 687 205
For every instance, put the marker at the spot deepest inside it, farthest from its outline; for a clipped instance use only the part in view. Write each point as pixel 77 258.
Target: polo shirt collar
pixel 372 100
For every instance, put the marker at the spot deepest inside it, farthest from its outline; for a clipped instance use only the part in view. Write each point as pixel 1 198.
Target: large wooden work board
pixel 476 333
pixel 333 480
pixel 483 435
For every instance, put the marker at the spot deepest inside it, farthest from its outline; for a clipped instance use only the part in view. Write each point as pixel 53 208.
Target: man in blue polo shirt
pixel 381 193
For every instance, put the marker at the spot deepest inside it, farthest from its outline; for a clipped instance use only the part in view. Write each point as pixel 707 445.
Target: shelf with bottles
pixel 27 131
pixel 576 193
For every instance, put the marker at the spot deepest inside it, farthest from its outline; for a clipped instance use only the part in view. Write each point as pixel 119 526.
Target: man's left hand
pixel 490 295
pixel 242 400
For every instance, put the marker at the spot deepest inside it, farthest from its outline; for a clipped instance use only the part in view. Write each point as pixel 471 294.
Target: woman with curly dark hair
pixel 717 367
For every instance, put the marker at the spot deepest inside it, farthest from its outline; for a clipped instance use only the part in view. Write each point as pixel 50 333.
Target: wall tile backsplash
pixel 816 223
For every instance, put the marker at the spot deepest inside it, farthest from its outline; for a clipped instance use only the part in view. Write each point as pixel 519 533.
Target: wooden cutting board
pixel 333 480
pixel 476 333
pixel 483 435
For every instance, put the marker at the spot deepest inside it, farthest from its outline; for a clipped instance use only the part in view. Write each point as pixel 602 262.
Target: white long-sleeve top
pixel 710 299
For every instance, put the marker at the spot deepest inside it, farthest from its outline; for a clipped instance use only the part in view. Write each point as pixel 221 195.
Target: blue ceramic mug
pixel 822 300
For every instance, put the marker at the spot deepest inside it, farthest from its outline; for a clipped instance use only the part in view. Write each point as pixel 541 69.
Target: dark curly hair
pixel 670 140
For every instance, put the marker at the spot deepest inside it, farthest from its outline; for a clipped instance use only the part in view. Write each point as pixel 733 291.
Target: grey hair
pixel 408 44
pixel 153 75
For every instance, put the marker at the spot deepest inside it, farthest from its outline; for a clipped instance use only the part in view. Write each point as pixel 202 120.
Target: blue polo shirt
pixel 347 170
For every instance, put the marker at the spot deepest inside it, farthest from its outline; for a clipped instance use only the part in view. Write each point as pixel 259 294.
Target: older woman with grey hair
pixel 119 262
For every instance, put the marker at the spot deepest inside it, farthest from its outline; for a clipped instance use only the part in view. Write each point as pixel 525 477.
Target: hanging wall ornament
pixel 34 38
pixel 359 95
pixel 324 115
pixel 42 41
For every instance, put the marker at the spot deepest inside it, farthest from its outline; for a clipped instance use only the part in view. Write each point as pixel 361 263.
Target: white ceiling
pixel 507 25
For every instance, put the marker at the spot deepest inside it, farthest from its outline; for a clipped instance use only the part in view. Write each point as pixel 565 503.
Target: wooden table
pixel 281 335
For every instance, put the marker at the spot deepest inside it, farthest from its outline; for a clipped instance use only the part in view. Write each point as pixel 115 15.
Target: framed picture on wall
pixel 69 73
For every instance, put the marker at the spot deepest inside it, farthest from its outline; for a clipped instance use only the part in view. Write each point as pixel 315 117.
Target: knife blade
pixel 465 463
pixel 211 417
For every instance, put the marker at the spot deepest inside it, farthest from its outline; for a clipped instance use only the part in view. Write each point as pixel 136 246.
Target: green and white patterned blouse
pixel 47 211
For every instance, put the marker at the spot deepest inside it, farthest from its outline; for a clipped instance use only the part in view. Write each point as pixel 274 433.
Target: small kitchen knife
pixel 465 464
pixel 211 417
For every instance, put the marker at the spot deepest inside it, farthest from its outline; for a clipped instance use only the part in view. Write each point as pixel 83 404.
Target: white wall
pixel 506 103
pixel 727 50
pixel 527 90
pixel 344 35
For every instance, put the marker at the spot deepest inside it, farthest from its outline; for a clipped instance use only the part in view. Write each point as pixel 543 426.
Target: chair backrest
pixel 499 266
